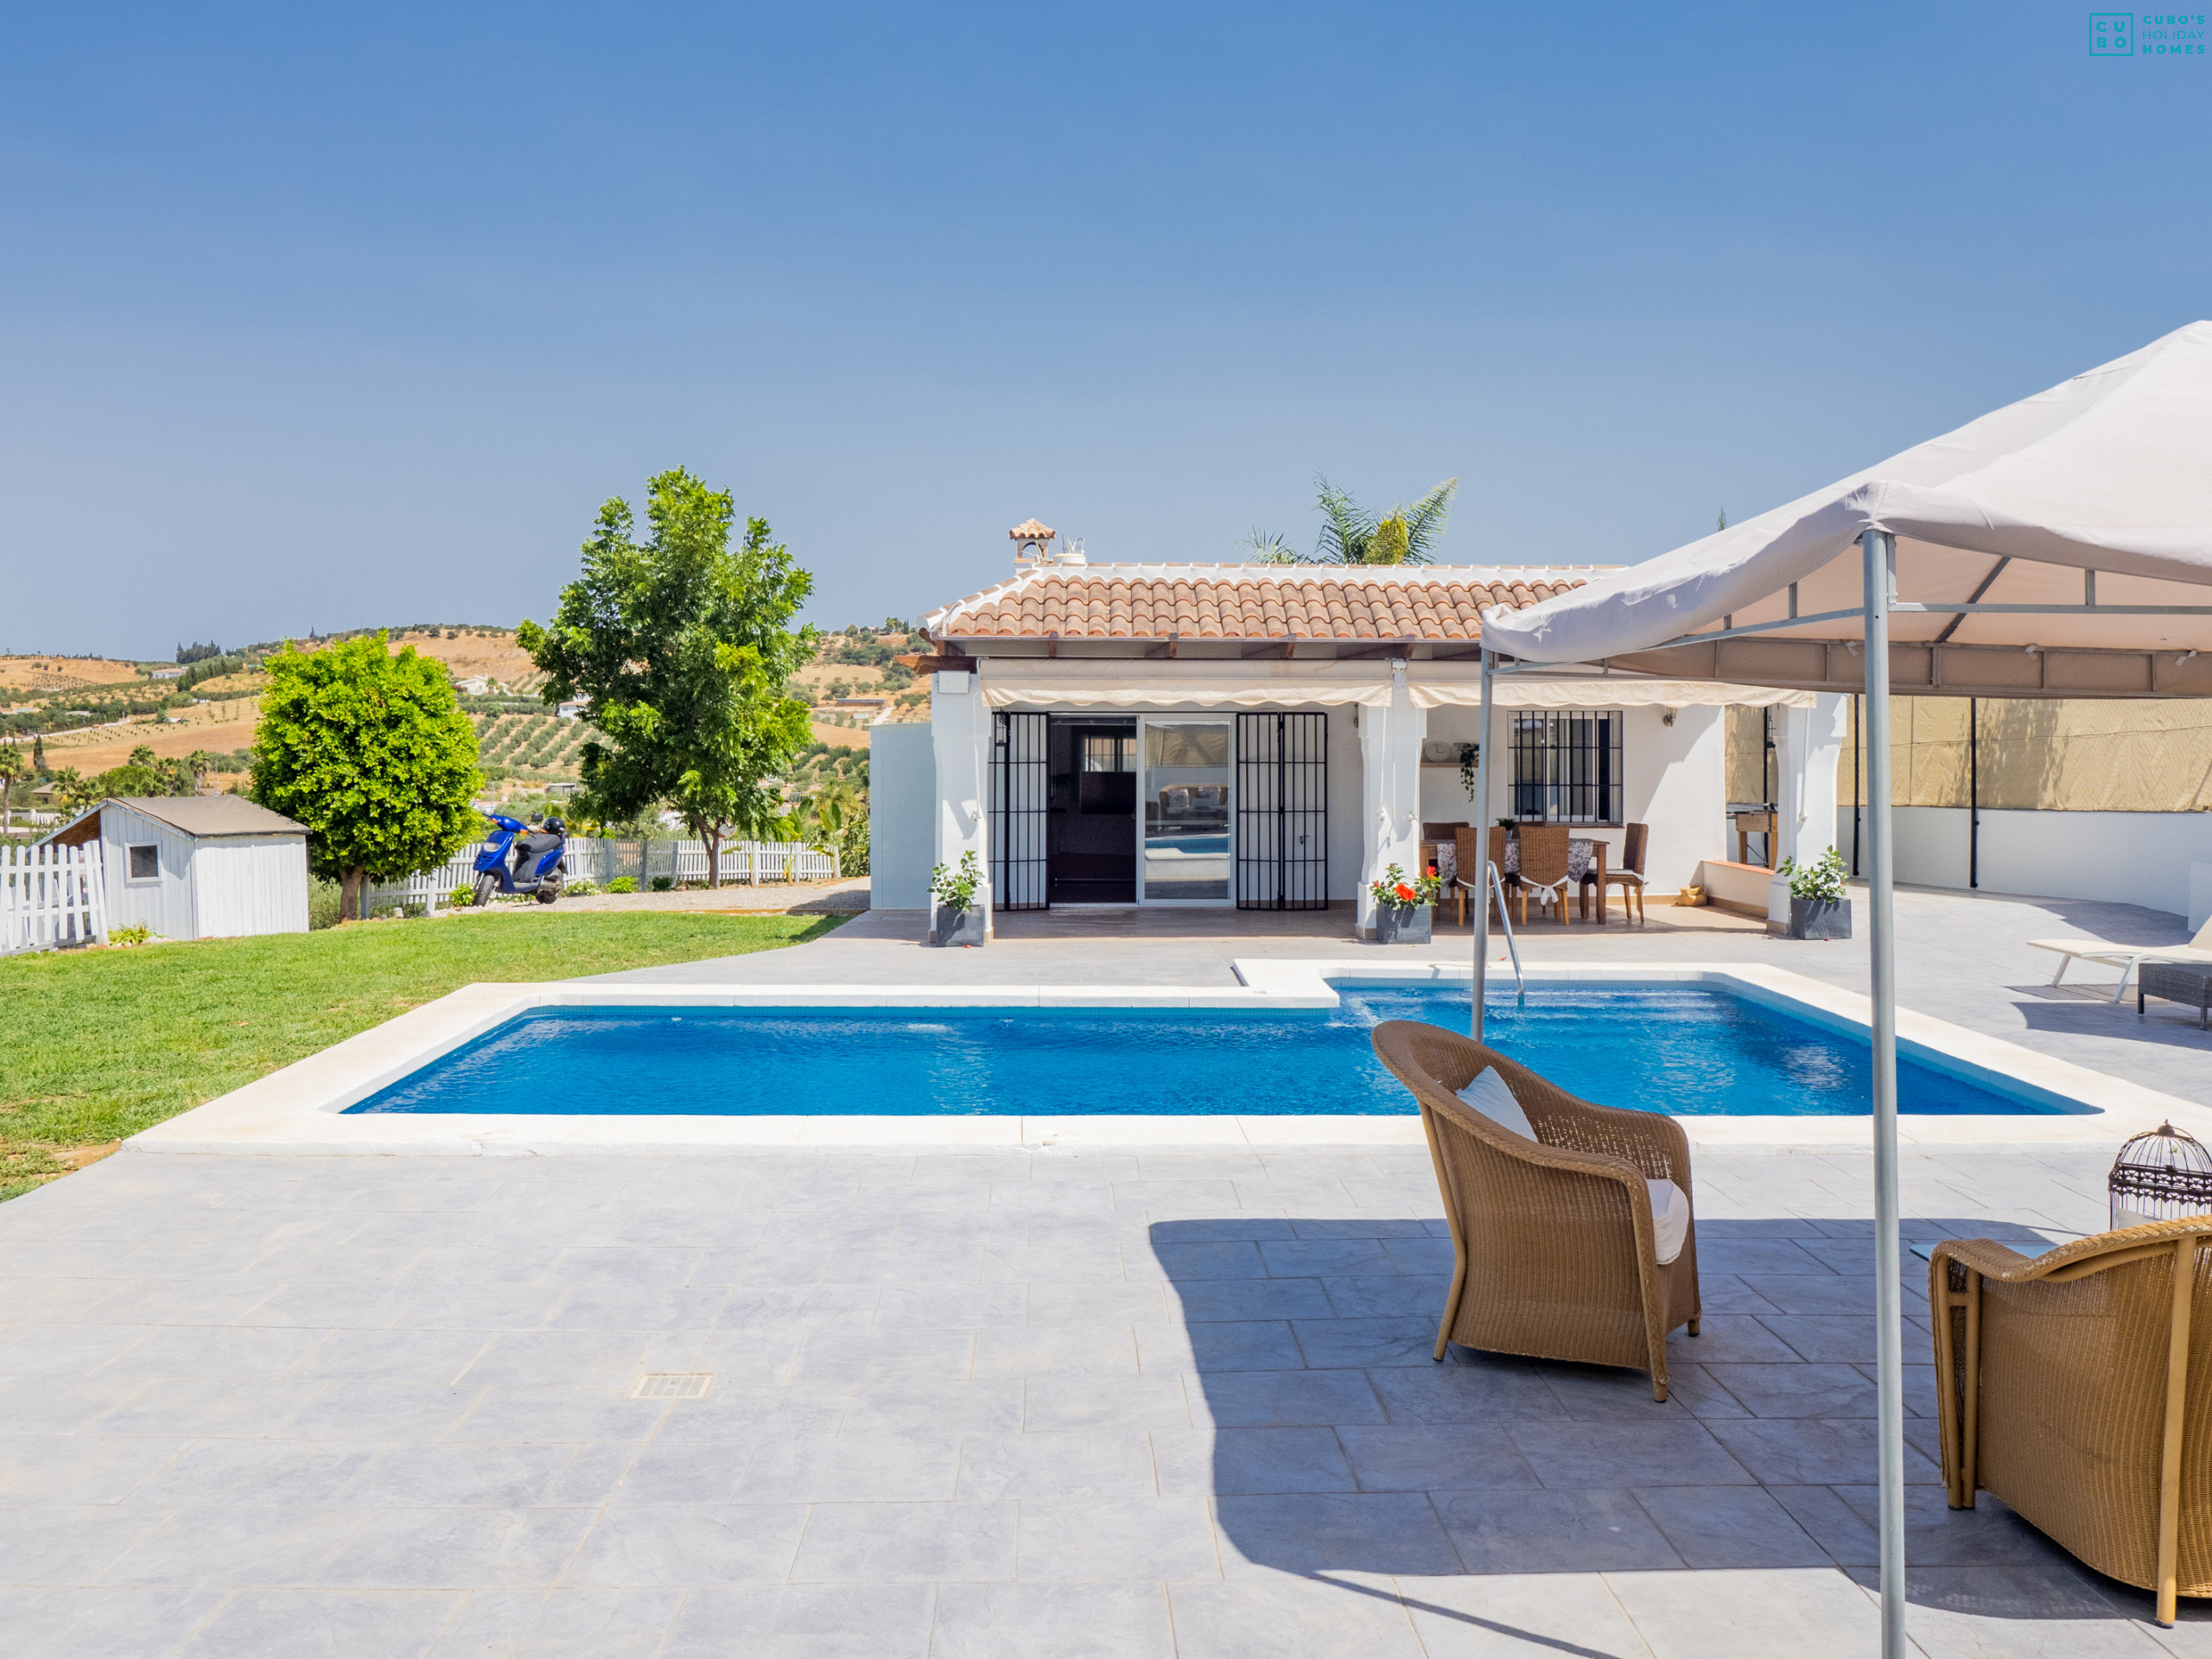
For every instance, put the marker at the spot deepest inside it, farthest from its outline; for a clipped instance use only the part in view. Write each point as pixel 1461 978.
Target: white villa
pixel 1270 737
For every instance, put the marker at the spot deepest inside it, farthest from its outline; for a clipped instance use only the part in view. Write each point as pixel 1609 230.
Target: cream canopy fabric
pixel 2109 473
pixel 1012 682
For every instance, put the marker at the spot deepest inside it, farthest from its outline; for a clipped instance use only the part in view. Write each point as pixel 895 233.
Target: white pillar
pixel 960 731
pixel 1389 790
pixel 1808 748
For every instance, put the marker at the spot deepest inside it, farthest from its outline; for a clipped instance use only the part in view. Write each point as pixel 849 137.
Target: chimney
pixel 1033 544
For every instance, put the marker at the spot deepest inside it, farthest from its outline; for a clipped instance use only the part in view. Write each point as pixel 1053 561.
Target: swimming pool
pixel 1690 1051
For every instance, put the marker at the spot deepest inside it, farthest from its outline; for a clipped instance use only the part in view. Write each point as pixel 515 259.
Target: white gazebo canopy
pixel 2059 547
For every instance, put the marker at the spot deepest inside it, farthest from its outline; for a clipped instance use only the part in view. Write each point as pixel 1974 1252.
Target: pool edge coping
pixel 299 1110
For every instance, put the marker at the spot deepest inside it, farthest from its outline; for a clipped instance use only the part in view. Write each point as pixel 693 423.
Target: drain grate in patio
pixel 672 1385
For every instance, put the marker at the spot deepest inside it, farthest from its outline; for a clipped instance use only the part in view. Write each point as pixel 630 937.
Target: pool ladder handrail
pixel 1497 886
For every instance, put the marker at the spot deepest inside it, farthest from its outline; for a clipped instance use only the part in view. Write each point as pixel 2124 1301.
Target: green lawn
pixel 97 1045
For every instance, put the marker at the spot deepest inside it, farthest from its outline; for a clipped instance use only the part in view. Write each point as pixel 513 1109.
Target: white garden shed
pixel 197 867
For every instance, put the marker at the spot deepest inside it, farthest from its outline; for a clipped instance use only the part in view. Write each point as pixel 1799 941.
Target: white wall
pixel 164 905
pixel 960 734
pixel 2134 858
pixel 901 808
pixel 245 884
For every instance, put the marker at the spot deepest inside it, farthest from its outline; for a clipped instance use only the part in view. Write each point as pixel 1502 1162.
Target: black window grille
pixel 1282 812
pixel 1021 787
pixel 1567 766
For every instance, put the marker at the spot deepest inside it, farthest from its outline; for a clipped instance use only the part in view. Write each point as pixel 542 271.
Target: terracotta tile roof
pixel 1105 601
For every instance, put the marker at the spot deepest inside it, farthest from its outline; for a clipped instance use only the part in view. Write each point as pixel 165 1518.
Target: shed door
pixel 1020 794
pixel 1282 812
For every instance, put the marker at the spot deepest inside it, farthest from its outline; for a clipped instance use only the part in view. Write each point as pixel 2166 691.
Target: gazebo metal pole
pixel 1879 552
pixel 1482 845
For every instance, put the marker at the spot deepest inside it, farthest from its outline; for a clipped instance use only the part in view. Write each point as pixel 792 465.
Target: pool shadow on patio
pixel 1335 1448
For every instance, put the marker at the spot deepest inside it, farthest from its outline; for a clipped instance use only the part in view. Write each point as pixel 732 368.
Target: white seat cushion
pixel 1670 1219
pixel 1488 1094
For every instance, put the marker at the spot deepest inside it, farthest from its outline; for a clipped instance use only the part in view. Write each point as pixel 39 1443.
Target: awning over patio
pixel 1026 683
pixel 2094 497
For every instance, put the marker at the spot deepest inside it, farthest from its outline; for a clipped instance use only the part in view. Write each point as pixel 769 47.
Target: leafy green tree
pixel 372 753
pixel 1405 535
pixel 15 766
pixel 684 647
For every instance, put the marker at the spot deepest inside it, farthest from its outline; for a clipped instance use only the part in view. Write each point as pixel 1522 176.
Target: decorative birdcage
pixel 2159 1175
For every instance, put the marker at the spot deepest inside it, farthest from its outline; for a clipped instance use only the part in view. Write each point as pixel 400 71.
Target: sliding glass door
pixel 1183 795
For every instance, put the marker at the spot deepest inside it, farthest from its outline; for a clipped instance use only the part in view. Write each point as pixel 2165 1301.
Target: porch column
pixel 960 730
pixel 1808 748
pixel 1389 789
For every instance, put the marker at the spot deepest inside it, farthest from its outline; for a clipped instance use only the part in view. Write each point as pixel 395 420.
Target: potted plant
pixel 1401 907
pixel 959 920
pixel 1818 906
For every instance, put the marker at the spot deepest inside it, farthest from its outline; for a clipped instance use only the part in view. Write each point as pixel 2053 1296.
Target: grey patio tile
pixel 951 1307
pixel 80 1469
pixel 1316 1258
pixel 1750 1257
pixel 1118 1302
pixel 459 1549
pixel 1069 1400
pixel 191 1408
pixel 1729 1338
pixel 1824 1295
pixel 777 1307
pixel 1814 1451
pixel 907 1543
pixel 260 1472
pixel 598 1308
pixel 989 1404
pixel 1829 1340
pixel 1518 1616
pixel 1089 1539
pixel 1383 1296
pixel 1474 1387
pixel 700 1472
pixel 1598 1531
pixel 1578 1456
pixel 78 1623
pixel 1185 1261
pixel 1594 1393
pixel 1333 1532
pixel 1844 1519
pixel 1111 1464
pixel 887 1621
pixel 1205 1462
pixel 1213 1299
pixel 1386 1217
pixel 484 1475
pixel 395 1356
pixel 1399 1340
pixel 859 1356
pixel 1093 1349
pixel 1068 1621
pixel 560 1624
pixel 38 1405
pixel 482 1307
pixel 564 1415
pixel 1278 1614
pixel 1218 1346
pixel 675 1545
pixel 898 1264
pixel 560 1360
pixel 747 1359
pixel 1435 1458
pixel 1059 1265
pixel 69 1350
pixel 1798 1390
pixel 382 1411
pixel 1729 1528
pixel 2016 1612
pixel 626 1267
pixel 1727 1293
pixel 272 1544
pixel 1282 1399
pixel 1252 1225
pixel 59 1545
pixel 917 1467
pixel 1429 1256
pixel 303 1622
pixel 1806 1613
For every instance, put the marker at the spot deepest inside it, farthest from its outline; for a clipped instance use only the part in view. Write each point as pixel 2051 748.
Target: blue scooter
pixel 538 868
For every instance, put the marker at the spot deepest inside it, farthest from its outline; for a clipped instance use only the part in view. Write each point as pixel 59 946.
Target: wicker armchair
pixel 2077 1386
pixel 1553 1251
pixel 1629 878
pixel 1544 859
pixel 1467 843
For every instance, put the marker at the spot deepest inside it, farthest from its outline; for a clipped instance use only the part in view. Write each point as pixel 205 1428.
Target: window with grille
pixel 1567 766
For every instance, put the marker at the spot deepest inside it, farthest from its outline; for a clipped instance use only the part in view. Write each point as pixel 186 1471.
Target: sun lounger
pixel 2125 957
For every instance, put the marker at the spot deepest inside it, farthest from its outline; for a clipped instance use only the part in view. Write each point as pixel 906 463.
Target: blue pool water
pixel 1682 1051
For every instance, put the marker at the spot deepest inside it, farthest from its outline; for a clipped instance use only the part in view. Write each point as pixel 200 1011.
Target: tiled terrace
pixel 1122 1403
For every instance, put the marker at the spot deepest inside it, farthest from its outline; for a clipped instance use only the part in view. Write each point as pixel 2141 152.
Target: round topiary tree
pixel 372 753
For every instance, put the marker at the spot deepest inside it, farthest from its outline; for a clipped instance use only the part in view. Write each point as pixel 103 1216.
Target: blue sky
pixel 318 317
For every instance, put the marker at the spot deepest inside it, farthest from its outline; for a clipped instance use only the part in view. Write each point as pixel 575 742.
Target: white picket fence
pixel 51 896
pixel 600 859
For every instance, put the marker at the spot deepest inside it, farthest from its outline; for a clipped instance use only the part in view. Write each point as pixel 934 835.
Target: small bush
pixel 322 905
pixel 137 933
pixel 663 883
pixel 462 897
pixel 623 884
pixel 579 889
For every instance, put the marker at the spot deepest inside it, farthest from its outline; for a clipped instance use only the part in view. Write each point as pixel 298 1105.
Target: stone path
pixel 1132 1405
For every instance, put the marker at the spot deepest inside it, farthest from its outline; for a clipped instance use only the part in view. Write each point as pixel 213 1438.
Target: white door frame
pixel 1227 720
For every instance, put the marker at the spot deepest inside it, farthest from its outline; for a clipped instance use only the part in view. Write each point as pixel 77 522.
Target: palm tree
pixel 1402 536
pixel 14 766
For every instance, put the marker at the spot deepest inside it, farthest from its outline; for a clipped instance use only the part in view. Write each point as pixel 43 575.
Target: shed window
pixel 145 863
